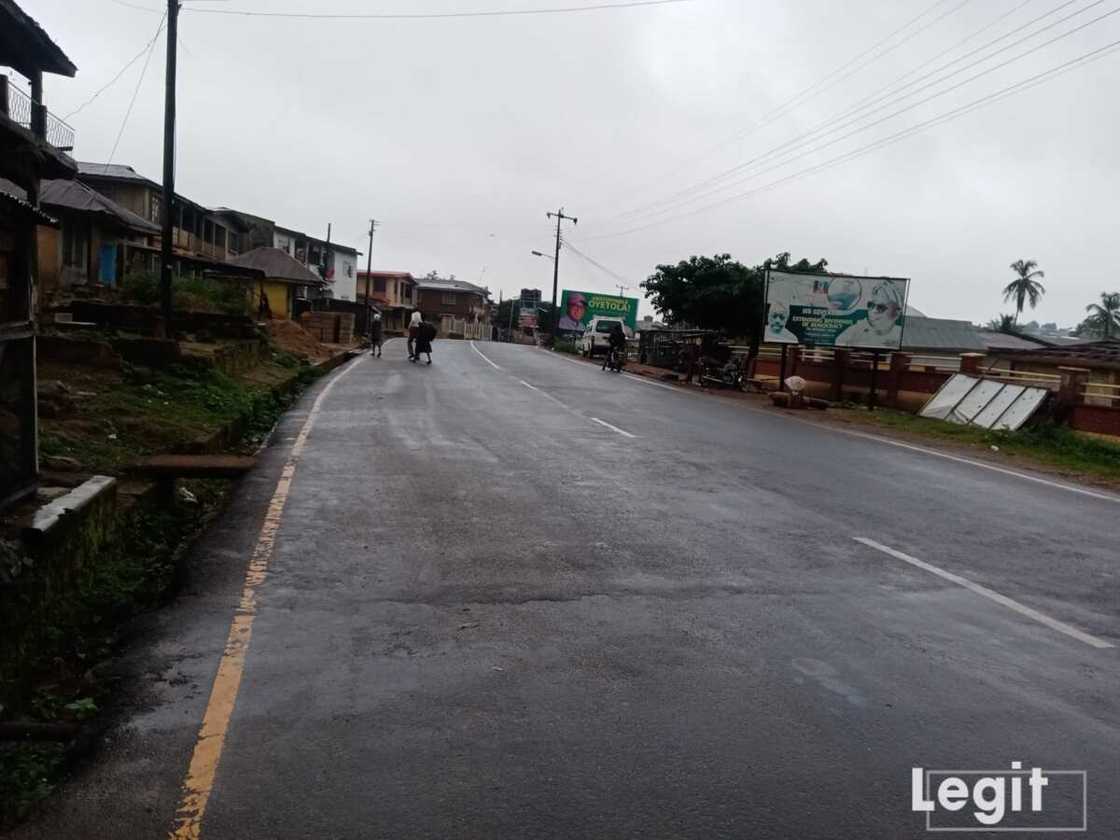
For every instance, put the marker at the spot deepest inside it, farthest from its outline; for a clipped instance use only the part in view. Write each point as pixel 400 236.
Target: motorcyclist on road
pixel 617 344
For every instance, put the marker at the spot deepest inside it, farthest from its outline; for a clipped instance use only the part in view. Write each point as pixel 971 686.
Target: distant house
pixel 285 279
pixel 393 293
pixel 462 309
pixel 1100 358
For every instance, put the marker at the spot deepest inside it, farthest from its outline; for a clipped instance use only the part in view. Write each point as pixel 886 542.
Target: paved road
pixel 514 596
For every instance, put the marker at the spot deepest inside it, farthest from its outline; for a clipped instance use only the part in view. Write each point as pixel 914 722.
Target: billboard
pixel 578 309
pixel 527 317
pixel 835 310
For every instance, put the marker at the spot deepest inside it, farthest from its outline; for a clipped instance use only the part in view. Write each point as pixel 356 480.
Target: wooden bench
pixel 165 469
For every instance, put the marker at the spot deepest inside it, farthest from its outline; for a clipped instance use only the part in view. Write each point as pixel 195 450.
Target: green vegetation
pixel 51 674
pixel 27 774
pixel 1047 443
pixel 565 346
pixel 144 412
pixel 198 294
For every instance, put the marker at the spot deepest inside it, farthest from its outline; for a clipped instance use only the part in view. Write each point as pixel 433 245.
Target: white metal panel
pixel 940 405
pixel 983 393
pixel 1021 410
pixel 994 410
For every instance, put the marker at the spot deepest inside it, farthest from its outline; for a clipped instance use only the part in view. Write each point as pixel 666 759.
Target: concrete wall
pixel 345 276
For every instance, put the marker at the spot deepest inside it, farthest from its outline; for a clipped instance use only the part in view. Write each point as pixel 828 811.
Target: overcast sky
pixel 459 134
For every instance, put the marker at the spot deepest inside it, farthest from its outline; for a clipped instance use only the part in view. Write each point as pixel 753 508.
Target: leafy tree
pixel 717 293
pixel 1024 288
pixel 1104 317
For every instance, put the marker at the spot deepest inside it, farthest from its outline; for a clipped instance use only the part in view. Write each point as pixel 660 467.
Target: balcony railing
pixel 20 109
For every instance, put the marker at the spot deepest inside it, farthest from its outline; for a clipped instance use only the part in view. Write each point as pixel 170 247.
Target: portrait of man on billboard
pixel 572 319
pixel 776 325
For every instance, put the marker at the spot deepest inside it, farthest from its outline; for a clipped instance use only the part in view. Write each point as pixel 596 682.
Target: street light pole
pixel 560 216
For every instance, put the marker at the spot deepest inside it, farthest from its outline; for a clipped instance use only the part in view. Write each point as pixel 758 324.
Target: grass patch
pixel 565 346
pixel 1045 443
pixel 28 773
pixel 141 412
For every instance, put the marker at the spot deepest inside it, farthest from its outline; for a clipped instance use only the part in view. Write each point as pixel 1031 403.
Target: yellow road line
pixel 223 696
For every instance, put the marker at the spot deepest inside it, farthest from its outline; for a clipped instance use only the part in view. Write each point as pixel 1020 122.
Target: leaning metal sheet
pixel 954 389
pixel 984 392
pixel 1022 409
pixel 994 410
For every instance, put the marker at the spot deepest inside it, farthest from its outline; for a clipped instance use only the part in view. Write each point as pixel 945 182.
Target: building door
pixel 107 264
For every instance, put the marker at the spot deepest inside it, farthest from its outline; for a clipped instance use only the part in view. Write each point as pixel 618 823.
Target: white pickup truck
pixel 597 337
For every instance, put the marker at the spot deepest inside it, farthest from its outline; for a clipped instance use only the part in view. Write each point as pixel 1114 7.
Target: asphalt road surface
pixel 513 596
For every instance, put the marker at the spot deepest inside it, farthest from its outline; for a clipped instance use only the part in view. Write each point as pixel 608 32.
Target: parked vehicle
pixel 726 375
pixel 596 338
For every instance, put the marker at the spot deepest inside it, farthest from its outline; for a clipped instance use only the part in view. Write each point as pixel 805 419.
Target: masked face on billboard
pixel 883 308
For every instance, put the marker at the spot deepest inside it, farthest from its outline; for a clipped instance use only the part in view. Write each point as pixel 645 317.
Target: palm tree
pixel 1003 324
pixel 1104 317
pixel 1024 288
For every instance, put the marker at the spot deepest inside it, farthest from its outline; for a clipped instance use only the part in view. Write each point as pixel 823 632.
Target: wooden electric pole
pixel 167 207
pixel 560 216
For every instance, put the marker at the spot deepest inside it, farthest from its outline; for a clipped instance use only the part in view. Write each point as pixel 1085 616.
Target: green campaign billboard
pixel 835 310
pixel 579 309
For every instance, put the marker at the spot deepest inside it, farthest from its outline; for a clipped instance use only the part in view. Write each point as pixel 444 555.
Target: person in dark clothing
pixel 425 332
pixel 617 343
pixel 375 335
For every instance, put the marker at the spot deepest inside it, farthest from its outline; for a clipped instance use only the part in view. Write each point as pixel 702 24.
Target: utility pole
pixel 622 290
pixel 369 260
pixel 167 208
pixel 556 268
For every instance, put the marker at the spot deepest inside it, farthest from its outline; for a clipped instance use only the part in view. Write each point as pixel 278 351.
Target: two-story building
pixel 393 293
pixel 337 264
pixel 202 239
pixel 33 146
pixel 461 309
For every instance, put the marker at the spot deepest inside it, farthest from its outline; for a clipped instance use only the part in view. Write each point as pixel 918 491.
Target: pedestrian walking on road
pixel 413 327
pixel 375 335
pixel 424 335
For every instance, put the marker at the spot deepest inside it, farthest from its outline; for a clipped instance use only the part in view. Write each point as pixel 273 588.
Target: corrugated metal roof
pixel 74 195
pixel 941 334
pixel 1087 354
pixel 30 36
pixel 18 205
pixel 117 171
pixel 995 340
pixel 277 265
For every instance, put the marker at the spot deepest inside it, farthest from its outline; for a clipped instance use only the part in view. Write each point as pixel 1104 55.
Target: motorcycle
pixel 721 375
pixel 615 360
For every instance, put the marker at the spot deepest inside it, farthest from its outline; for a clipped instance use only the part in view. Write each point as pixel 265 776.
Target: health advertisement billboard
pixel 835 310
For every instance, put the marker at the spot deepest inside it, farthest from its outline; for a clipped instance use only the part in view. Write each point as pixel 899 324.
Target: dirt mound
pixel 290 336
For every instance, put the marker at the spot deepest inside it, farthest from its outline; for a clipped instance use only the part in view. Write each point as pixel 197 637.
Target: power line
pixel 146 49
pixel 809 138
pixel 135 93
pixel 556 10
pixel 700 187
pixel 948 116
pixel 568 244
pixel 814 89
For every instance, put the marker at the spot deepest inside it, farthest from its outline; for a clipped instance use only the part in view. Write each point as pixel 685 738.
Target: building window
pixel 449 299
pixel 379 284
pixel 74 245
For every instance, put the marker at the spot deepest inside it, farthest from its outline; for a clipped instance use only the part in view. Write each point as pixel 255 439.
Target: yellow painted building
pixel 285 279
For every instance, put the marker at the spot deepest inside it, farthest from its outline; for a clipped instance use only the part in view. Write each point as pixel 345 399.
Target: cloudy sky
pixel 459 134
